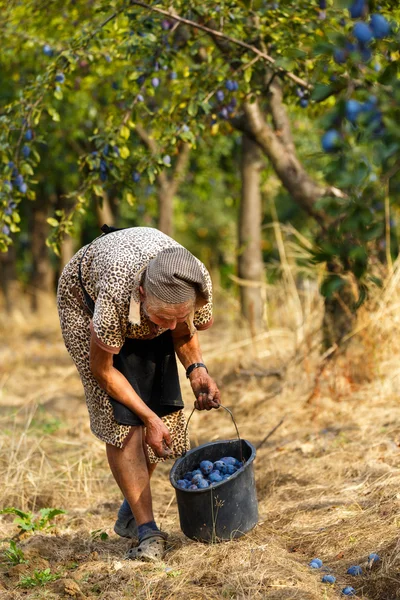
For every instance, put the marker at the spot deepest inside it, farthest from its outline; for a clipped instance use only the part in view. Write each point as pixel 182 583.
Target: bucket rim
pixel 216 485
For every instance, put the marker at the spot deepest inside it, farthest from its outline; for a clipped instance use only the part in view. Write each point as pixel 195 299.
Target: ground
pixel 327 478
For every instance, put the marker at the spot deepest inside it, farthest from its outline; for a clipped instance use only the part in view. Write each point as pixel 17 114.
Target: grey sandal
pixel 151 548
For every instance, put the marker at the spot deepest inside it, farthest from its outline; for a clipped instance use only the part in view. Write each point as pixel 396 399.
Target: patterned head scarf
pixel 174 276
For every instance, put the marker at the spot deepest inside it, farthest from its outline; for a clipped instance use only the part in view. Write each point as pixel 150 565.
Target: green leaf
pixel 331 285
pixel 98 190
pixel 53 222
pixel 193 108
pixel 321 92
pixel 53 113
pixel 124 132
pixel 124 152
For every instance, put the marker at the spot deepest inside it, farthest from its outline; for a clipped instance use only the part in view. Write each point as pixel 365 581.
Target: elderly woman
pixel 127 303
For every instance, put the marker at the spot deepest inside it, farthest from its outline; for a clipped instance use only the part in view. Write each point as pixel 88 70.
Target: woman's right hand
pixel 158 437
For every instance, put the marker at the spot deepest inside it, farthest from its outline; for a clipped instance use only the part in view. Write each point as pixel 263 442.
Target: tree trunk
pixel 42 279
pixel 8 277
pixel 166 209
pixel 250 262
pixel 104 213
pixel 340 313
pixel 67 251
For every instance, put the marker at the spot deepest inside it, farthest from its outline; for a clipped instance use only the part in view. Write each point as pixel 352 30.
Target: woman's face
pixel 168 316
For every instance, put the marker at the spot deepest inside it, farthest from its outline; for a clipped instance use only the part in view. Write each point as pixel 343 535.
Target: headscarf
pixel 174 276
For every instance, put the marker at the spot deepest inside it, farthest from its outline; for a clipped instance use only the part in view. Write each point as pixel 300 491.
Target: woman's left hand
pixel 205 389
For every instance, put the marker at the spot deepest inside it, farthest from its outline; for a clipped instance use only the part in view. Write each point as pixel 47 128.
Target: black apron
pixel 149 366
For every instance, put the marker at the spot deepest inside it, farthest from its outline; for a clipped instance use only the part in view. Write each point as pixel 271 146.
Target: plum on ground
pixel 354 570
pixel 328 579
pixel 316 563
pixel 348 591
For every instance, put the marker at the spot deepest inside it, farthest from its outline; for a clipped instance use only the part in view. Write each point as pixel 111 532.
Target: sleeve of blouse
pixel 106 324
pixel 203 317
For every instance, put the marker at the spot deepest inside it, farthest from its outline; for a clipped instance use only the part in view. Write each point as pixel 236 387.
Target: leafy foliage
pixel 38 578
pixel 14 555
pixel 80 83
pixel 27 521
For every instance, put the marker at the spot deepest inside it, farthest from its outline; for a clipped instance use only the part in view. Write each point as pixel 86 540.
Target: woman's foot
pixel 125 525
pixel 151 547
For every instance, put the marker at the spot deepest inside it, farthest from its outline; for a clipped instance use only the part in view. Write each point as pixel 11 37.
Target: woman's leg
pixel 132 474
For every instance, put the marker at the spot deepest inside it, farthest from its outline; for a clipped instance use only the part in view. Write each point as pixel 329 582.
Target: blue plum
pixel 229 460
pixel 193 487
pixel 328 579
pixel 348 591
pixel 357 9
pixel 373 558
pixel 362 32
pixel 303 102
pixel 379 26
pixel 220 96
pixel 230 470
pixel 155 82
pixel 28 135
pixel 203 484
pixel 60 77
pixel 182 483
pixel 215 477
pixel 26 151
pixel 354 570
pixel 316 563
pixel 331 140
pixel 136 179
pixel 353 108
pixel 196 479
pixel 339 56
pixel 206 467
pixel 47 50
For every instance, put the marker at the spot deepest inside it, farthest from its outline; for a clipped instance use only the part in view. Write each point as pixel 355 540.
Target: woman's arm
pixel 188 351
pixel 118 387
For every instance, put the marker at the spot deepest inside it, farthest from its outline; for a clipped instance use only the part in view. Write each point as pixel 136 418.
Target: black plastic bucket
pixel 226 510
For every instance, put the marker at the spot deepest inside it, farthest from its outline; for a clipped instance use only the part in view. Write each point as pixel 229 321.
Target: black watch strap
pixel 193 367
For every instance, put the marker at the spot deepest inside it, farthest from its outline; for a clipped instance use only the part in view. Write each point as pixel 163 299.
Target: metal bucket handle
pixel 234 422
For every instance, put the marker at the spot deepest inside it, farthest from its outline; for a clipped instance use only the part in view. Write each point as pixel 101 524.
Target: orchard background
pixel 264 137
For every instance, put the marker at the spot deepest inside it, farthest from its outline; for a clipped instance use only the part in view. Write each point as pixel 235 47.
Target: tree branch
pixel 304 190
pixel 228 38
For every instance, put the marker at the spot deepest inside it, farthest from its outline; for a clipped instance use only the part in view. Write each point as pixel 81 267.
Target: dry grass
pixel 328 480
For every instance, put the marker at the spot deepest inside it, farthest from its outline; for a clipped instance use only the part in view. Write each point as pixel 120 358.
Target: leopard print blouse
pixel 112 268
